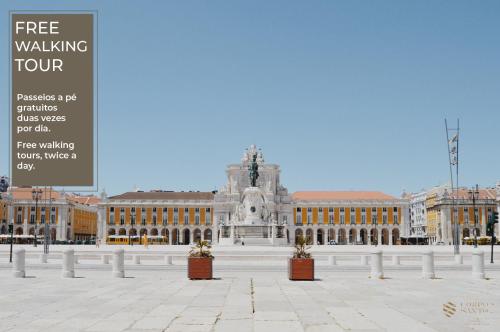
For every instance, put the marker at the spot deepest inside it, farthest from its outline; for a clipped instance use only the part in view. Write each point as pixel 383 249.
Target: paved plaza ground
pixel 156 297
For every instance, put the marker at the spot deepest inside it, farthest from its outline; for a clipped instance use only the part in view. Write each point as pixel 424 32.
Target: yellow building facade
pixel 174 217
pixel 69 217
pixel 348 217
pixel 185 217
pixel 83 216
pixel 445 207
pixel 3 212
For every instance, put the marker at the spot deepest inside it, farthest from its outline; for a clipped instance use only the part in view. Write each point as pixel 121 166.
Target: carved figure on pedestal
pixel 253 169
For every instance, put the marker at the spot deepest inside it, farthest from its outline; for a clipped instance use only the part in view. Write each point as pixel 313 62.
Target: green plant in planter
pixel 301 248
pixel 201 250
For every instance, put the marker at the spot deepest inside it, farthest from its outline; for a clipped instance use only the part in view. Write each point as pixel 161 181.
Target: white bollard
pixel 428 264
pixel 68 263
pixel 377 268
pixel 119 263
pixel 44 258
pixel 168 260
pixel 459 259
pixel 75 259
pixel 332 260
pixel 478 264
pixel 19 265
pixel 364 260
pixel 137 259
pixel 105 259
pixel 395 260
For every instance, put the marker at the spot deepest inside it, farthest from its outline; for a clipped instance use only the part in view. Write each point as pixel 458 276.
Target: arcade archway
pixel 186 233
pixel 320 235
pixel 207 235
pixel 363 233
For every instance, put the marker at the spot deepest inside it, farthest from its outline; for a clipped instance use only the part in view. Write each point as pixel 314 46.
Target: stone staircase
pixel 254 241
pixel 252 232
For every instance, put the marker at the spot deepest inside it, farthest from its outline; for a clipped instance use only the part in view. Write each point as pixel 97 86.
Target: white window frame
pixel 164 217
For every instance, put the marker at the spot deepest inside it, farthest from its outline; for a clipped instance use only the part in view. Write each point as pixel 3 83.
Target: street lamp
pixel 375 233
pixel 474 194
pixel 132 223
pixel 36 194
pixel 11 225
pixel 46 235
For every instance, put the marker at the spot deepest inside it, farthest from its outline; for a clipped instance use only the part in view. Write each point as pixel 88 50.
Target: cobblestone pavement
pixel 259 300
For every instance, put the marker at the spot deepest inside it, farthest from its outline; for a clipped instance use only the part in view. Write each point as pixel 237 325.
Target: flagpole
pixel 453 161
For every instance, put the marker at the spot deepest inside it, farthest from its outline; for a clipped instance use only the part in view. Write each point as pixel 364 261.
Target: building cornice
pixel 343 203
pixel 154 203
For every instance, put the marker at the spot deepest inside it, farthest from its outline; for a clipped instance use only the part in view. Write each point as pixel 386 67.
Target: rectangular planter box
pixel 199 268
pixel 301 269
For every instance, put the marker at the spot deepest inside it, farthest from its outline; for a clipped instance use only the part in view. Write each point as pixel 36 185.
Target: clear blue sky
pixel 341 94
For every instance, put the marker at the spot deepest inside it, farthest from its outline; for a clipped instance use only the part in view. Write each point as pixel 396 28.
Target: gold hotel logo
pixel 449 309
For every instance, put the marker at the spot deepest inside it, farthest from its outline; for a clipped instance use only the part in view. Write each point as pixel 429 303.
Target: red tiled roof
pixel 463 193
pixel 26 194
pixel 87 200
pixel 169 195
pixel 339 195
